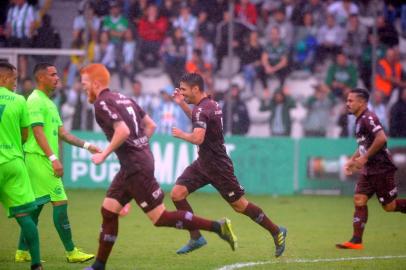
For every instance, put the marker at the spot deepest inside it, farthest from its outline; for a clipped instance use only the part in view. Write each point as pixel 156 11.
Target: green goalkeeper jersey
pixel 13 117
pixel 43 112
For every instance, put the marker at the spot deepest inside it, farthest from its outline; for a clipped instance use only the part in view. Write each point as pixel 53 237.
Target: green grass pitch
pixel 314 225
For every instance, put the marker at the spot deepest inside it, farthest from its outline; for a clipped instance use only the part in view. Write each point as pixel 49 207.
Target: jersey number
pixel 134 116
pixel 2 107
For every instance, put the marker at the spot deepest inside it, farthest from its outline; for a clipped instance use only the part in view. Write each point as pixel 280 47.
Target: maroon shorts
pixel 382 184
pixel 196 176
pixel 140 186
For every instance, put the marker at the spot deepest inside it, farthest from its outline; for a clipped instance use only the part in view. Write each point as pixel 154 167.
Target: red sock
pixel 108 234
pixel 185 206
pixel 186 220
pixel 401 205
pixel 359 222
pixel 257 215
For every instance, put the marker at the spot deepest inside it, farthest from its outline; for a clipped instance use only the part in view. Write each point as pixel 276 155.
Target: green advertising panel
pixel 262 166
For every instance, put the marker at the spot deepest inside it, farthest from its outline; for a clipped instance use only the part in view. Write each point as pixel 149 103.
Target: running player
pixel 16 193
pixel 128 128
pixel 374 161
pixel 44 168
pixel 213 165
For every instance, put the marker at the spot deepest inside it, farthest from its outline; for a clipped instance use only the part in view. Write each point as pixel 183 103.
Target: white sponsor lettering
pixel 78 169
pixel 143 204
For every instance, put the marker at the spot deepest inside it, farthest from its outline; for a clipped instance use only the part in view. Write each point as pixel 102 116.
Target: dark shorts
pixel 196 176
pixel 140 186
pixel 382 184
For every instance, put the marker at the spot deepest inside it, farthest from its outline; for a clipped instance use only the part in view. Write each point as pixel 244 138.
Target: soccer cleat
pixel 77 255
pixel 22 256
pixel 350 245
pixel 227 234
pixel 192 245
pixel 280 241
pixel 37 267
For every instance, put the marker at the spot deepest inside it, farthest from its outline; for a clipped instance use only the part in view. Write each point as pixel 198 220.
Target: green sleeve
pixel 35 111
pixel 330 75
pixel 25 119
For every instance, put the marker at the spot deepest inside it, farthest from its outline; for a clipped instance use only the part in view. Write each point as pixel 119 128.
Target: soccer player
pixel 44 168
pixel 213 165
pixel 128 128
pixel 16 193
pixel 375 164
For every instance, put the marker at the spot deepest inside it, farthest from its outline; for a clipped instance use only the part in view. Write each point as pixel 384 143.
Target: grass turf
pixel 314 225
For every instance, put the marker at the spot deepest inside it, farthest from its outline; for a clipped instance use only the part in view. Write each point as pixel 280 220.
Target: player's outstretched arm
pixel 149 126
pixel 196 137
pixel 73 140
pixel 121 133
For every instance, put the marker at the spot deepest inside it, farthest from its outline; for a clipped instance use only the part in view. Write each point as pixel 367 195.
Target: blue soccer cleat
pixel 192 245
pixel 280 241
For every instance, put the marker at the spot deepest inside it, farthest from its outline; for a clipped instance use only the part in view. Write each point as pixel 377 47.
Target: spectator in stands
pixel 86 18
pixel 206 48
pixel 240 119
pixel 285 27
pixel 174 54
pixel 127 58
pixel 104 52
pixel 187 22
pixel 389 74
pixel 76 62
pixel 169 9
pixel 274 59
pixel 167 114
pixel 246 12
pixel 356 38
pixel 342 10
pixel 346 122
pixel 19 29
pixel 46 36
pixel 315 7
pixel 251 61
pixel 319 110
pixel 206 28
pixel 330 38
pixel 101 7
pixel 145 101
pixel 387 32
pixel 341 76
pixel 366 58
pixel 152 30
pixel 280 122
pixel 397 126
pixel 196 64
pixel 115 23
pixel 138 10
pixel 305 44
pixel 27 87
pixel 379 107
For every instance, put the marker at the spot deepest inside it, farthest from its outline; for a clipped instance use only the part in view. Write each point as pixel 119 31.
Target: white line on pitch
pixel 248 264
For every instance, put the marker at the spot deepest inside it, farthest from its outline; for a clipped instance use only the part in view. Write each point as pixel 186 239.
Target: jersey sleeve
pixel 25 119
pixel 107 111
pixel 35 112
pixel 139 109
pixel 199 118
pixel 372 124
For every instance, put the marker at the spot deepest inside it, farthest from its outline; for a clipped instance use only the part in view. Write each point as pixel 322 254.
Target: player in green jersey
pixel 16 193
pixel 44 168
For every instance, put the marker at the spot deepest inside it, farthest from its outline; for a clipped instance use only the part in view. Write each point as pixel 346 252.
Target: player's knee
pixel 360 200
pixel 390 207
pixel 178 194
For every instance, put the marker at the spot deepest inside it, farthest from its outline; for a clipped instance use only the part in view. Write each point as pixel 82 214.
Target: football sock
pixel 108 235
pixel 98 265
pixel 185 206
pixel 30 232
pixel 257 215
pixel 359 222
pixel 186 220
pixel 401 205
pixel 34 215
pixel 61 222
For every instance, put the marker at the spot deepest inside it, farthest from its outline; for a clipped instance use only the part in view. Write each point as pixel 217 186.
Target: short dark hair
pixel 6 66
pixel 41 66
pixel 362 93
pixel 193 79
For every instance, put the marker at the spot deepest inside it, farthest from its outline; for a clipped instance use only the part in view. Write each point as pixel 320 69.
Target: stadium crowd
pixel 273 39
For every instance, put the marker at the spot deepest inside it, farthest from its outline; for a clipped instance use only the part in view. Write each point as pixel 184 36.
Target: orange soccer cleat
pixel 350 245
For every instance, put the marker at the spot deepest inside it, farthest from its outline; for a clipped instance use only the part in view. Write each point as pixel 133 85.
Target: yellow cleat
pixel 227 233
pixel 22 256
pixel 78 256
